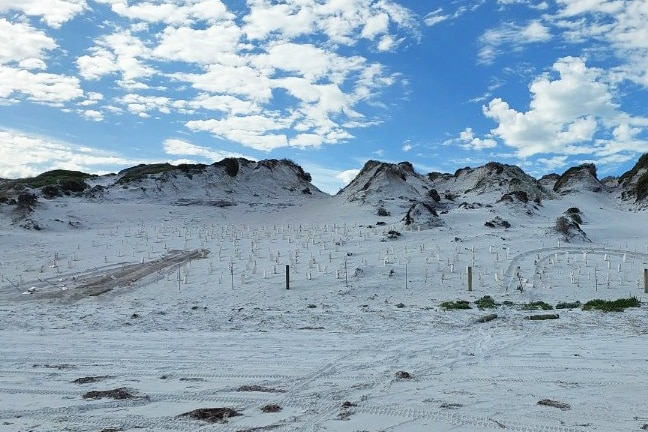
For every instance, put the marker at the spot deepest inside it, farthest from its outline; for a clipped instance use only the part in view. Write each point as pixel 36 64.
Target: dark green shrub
pixel 485 302
pixel 618 305
pixel 450 196
pixel 72 185
pixel 642 187
pixel 142 171
pixel 566 305
pixel 562 225
pixel 641 163
pixel 459 304
pixel 432 193
pixel 231 166
pixel 50 192
pixel 537 305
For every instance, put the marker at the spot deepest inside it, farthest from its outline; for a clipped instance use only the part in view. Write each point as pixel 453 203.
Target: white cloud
pixel 19 42
pixel 23 155
pixel 243 81
pixel 326 179
pixel 578 7
pixel 306 140
pixel 23 51
pixel 215 44
pixel 53 12
pixel 179 13
pixel 100 63
pixel 567 115
pixel 272 74
pixel 254 131
pixel 375 25
pixel 342 22
pixel 93 115
pixel 468 140
pixel 120 52
pixel 615 27
pixel 143 105
pixel 435 17
pixel 347 176
pixel 40 87
pixel 407 147
pixel 511 36
pixel 222 103
pixel 553 163
pixel 177 147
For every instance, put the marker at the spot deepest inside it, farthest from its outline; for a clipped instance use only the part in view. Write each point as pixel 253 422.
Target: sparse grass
pixel 485 302
pixel 618 305
pixel 537 305
pixel 459 304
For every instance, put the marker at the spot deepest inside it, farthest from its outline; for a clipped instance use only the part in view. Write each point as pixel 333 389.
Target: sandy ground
pixel 359 342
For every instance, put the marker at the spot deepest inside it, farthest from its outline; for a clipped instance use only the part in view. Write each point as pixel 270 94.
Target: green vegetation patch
pixel 642 187
pixel 641 163
pixel 53 181
pixel 459 304
pixel 141 171
pixel 618 305
pixel 537 305
pixel 568 305
pixel 485 302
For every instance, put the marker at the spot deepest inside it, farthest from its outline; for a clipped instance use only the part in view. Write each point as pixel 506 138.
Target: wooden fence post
pixel 470 279
pixel 287 276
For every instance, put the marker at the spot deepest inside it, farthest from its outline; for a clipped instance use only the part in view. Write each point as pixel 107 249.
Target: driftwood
pixel 552 403
pixel 486 318
pixel 543 317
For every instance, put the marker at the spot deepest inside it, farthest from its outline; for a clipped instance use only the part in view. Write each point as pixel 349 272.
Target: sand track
pixel 98 281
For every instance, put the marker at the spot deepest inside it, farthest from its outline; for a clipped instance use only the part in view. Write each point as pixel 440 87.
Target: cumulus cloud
pixel 469 141
pixel 570 114
pixel 614 27
pixel 24 52
pixel 20 42
pixel 121 52
pixel 40 87
pixel 24 155
pixel 53 12
pixel 263 75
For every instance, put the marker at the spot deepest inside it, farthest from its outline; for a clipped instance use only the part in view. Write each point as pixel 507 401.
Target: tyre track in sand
pixel 101 280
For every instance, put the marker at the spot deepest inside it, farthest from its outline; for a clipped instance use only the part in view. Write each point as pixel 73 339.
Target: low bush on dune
pixel 618 305
pixel 485 302
pixel 568 305
pixel 459 304
pixel 537 305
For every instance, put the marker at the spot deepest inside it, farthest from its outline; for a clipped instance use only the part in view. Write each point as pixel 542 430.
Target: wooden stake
pixel 470 279
pixel 287 276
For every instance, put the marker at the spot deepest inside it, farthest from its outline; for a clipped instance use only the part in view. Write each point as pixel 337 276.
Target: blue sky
pixel 100 85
